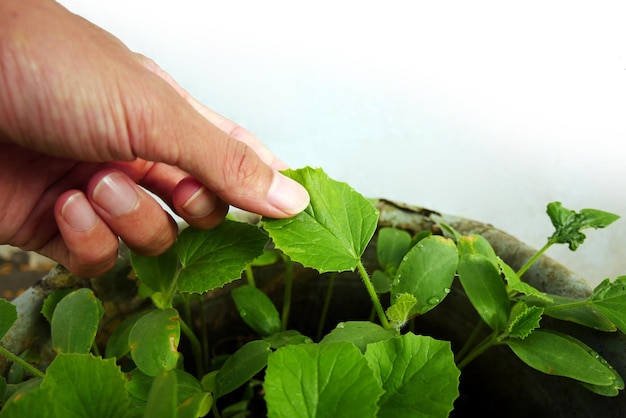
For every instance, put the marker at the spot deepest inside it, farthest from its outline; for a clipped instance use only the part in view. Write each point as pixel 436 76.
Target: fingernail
pixel 200 204
pixel 288 195
pixel 78 213
pixel 115 194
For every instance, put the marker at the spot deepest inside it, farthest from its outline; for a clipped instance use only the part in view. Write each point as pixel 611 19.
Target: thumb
pixel 240 171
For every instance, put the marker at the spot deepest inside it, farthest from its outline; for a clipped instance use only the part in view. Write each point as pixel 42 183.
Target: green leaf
pixel 587 314
pixel 158 273
pixel 561 355
pixel 336 226
pixel 568 223
pixel 75 322
pixel 257 310
pixel 212 258
pixel 427 272
pixel 610 299
pixel 154 339
pixel 516 284
pixel 75 386
pixel 381 282
pixel 50 303
pixel 391 246
pixel 524 320
pixel 242 366
pixel 359 333
pixel 162 399
pixel 608 390
pixel 480 277
pixel 196 406
pixel 8 316
pixel 398 313
pixel 418 374
pixel 117 345
pixel 321 380
pixel 287 337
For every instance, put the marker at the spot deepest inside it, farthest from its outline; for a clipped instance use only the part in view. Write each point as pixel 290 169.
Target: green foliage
pixel 257 310
pixel 418 375
pixel 333 380
pixel 568 224
pixel 359 369
pixel 8 316
pixel 75 322
pixel 336 226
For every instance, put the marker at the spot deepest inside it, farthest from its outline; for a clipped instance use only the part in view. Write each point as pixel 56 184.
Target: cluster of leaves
pixel 358 369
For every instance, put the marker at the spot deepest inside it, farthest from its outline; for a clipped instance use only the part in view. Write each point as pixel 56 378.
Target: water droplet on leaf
pixel 434 300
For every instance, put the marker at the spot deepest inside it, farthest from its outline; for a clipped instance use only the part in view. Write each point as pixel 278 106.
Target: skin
pixel 84 122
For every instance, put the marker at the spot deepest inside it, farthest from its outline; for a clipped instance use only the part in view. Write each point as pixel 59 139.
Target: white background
pixel 487 110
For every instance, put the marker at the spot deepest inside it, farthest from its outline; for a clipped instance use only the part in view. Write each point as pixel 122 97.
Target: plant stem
pixel 534 258
pixel 195 347
pixel 373 295
pixel 287 296
pixel 480 348
pixel 15 359
pixel 470 341
pixel 250 276
pixel 329 295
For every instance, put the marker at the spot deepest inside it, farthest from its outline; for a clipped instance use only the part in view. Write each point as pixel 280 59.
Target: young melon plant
pixel 359 369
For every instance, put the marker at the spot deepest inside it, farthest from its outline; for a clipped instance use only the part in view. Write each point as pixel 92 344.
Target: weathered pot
pixel 495 384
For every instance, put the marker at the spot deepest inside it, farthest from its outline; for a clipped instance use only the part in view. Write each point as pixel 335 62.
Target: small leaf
pixel 158 273
pixel 359 333
pixel 50 303
pixel 162 399
pixel 610 299
pixel 257 310
pixel 398 313
pixel 287 337
pixel 8 316
pixel 480 277
pixel 337 225
pixel 196 406
pixel 427 272
pixel 75 322
pixel 587 315
pixel 153 341
pixel 332 380
pixel 516 284
pixel 561 355
pixel 241 366
pixel 568 223
pixel 418 374
pixel 381 282
pixel 524 320
pixel 212 258
pixel 391 247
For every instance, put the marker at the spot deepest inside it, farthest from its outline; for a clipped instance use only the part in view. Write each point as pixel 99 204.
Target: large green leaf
pixel 75 386
pixel 587 314
pixel 215 257
pixel 479 274
pixel 75 322
pixel 427 272
pixel 257 310
pixel 321 380
pixel 332 233
pixel 418 374
pixel 153 341
pixel 8 316
pixel 561 355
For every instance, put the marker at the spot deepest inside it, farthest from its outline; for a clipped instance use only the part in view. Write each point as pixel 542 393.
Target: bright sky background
pixel 483 109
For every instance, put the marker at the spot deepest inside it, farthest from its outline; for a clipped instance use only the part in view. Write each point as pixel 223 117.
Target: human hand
pixel 84 121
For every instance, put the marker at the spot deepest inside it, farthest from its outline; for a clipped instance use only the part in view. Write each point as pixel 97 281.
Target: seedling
pixel 361 368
